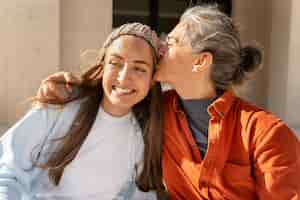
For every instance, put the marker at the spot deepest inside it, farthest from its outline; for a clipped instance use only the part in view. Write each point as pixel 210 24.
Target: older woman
pixel 217 145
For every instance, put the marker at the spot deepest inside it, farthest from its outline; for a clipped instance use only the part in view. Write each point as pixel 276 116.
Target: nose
pixel 124 74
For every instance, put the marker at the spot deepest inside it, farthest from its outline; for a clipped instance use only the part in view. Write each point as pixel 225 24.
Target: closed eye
pixel 114 63
pixel 139 69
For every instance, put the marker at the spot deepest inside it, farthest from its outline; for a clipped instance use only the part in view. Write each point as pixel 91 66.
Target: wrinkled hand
pixel 57 86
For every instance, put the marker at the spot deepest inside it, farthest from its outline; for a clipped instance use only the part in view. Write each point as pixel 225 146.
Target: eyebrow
pixel 116 55
pixel 141 62
pixel 135 61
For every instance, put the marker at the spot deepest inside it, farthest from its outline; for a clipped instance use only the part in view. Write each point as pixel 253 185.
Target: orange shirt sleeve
pixel 276 157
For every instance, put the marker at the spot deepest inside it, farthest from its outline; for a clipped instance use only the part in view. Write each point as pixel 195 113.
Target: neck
pixel 196 90
pixel 113 110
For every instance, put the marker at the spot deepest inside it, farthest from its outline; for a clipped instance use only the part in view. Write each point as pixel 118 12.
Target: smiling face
pixel 127 74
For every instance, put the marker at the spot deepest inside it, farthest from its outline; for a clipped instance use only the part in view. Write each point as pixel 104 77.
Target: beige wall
pixel 274 24
pixel 29 50
pixel 279 36
pixel 284 59
pixel 40 37
pixel 251 18
pixel 84 26
pixel 293 80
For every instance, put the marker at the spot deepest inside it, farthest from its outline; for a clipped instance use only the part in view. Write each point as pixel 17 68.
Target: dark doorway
pixel 224 5
pixel 161 15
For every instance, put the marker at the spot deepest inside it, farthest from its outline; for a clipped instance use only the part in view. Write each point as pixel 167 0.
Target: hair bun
pixel 251 58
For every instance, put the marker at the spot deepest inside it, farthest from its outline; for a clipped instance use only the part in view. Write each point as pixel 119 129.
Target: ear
pixel 203 61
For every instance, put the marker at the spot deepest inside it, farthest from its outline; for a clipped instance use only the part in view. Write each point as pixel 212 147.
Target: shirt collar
pixel 219 107
pixel 222 105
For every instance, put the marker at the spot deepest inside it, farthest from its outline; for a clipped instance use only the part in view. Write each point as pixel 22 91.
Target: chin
pixel 123 103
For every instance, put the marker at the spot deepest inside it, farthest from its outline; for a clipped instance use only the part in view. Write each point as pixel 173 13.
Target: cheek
pixel 179 62
pixel 144 85
pixel 108 78
pixel 165 63
pixel 173 59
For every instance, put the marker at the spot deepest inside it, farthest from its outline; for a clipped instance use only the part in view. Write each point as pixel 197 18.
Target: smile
pixel 122 91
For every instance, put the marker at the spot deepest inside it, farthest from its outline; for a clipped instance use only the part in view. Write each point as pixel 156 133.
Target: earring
pixel 196 68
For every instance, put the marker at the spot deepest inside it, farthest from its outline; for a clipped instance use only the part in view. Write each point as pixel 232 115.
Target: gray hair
pixel 210 30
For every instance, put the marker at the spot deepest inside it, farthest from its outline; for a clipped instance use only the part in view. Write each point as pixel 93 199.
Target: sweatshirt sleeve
pixel 16 148
pixel 277 163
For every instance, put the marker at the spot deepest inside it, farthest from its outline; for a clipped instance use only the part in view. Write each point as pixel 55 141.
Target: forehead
pixel 179 32
pixel 130 47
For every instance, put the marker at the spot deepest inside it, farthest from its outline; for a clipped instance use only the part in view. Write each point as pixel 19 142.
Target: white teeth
pixel 122 90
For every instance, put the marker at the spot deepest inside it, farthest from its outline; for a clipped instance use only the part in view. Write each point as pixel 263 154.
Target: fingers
pixel 57 77
pixel 52 91
pixel 58 87
pixel 70 78
pixel 63 77
pixel 69 87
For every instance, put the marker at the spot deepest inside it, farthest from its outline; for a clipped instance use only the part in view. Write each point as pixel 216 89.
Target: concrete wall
pixel 279 51
pixel 30 45
pixel 84 26
pixel 284 61
pixel 293 70
pixel 40 37
pixel 274 24
pixel 252 20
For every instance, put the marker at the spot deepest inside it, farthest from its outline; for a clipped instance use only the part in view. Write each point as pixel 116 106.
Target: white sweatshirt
pixel 104 167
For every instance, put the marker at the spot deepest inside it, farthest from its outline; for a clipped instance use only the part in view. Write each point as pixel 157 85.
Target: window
pixel 161 15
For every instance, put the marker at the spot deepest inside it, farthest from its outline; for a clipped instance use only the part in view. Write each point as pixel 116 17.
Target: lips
pixel 122 91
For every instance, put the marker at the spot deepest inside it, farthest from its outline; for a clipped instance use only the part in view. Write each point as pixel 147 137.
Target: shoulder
pixel 58 109
pixel 256 116
pixel 59 118
pixel 51 113
pixel 264 127
pixel 41 124
pixel 40 120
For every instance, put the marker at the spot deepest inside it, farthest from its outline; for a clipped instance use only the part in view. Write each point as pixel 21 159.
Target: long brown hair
pixel 148 113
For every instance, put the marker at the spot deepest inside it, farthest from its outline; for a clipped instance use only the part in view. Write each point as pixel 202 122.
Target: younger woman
pixel 91 147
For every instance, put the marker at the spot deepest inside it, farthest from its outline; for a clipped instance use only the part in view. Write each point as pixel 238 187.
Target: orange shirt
pixel 251 154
